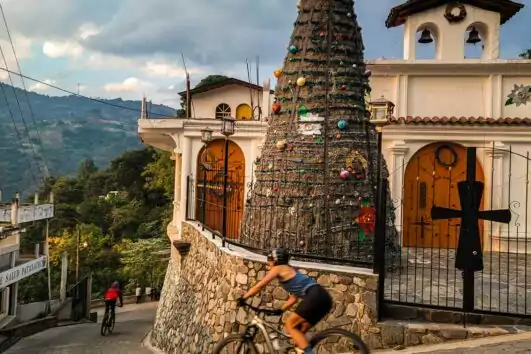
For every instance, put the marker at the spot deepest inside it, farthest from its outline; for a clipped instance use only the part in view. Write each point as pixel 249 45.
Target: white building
pixel 12 268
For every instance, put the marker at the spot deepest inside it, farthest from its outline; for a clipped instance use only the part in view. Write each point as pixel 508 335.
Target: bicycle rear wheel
pixel 338 341
pixel 235 344
pixel 104 326
pixel 112 321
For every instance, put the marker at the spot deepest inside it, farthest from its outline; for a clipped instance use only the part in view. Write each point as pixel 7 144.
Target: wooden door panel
pixel 430 179
pixel 214 190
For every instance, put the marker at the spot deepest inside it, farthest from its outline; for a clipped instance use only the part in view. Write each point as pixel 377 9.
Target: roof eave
pixel 398 13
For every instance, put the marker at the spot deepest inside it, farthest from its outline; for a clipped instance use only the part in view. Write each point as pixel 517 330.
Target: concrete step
pixel 401 334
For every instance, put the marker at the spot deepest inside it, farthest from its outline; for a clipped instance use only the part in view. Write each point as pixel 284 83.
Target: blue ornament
pixel 342 124
pixel 293 49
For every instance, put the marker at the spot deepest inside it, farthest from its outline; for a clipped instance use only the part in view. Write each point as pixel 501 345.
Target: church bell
pixel 473 36
pixel 425 37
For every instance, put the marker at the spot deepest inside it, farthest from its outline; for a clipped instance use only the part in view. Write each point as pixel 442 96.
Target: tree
pixel 86 169
pixel 316 177
pixel 144 261
pixel 160 173
pixel 526 54
pixel 211 79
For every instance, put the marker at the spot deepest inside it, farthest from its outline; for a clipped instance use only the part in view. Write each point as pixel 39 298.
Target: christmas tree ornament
pixel 281 145
pixel 277 73
pixel 303 111
pixel 344 174
pixel 293 49
pixel 299 4
pixel 342 124
pixel 276 108
pixel 270 166
pixel 301 81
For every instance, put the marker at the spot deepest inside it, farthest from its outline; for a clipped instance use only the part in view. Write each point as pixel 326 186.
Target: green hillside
pixel 72 129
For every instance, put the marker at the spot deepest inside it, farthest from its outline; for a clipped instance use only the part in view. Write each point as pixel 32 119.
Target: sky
pixel 131 48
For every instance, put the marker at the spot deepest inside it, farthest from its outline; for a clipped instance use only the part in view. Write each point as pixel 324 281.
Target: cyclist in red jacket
pixel 112 295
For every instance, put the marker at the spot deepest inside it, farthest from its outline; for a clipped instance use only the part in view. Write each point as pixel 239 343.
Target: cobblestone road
pixel 133 322
pixel 516 347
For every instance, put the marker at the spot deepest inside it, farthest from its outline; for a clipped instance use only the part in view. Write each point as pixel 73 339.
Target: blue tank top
pixel 298 285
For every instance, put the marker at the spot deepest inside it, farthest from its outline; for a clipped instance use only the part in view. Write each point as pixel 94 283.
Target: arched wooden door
pixel 244 112
pixel 431 179
pixel 210 172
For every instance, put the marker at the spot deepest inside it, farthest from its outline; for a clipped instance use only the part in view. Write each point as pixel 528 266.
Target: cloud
pixel 62 49
pixel 41 86
pixel 131 84
pixel 153 68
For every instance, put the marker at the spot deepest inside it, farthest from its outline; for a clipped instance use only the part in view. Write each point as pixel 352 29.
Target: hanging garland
pixel 439 151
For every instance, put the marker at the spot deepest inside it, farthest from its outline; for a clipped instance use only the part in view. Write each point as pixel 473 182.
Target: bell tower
pixel 452 25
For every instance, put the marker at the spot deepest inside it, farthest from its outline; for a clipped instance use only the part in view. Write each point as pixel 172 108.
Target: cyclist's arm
pixel 272 274
pixel 292 300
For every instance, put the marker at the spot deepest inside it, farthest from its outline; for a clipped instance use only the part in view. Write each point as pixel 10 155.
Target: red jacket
pixel 113 293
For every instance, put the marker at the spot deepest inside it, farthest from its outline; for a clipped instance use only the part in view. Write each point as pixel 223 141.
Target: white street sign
pixel 22 271
pixel 27 213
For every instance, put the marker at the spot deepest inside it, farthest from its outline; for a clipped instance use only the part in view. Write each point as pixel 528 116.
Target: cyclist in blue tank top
pixel 316 301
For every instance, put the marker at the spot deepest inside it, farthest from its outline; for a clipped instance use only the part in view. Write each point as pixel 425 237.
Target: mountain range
pixel 71 129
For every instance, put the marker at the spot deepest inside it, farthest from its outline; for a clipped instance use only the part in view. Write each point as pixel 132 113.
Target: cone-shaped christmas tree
pixel 315 186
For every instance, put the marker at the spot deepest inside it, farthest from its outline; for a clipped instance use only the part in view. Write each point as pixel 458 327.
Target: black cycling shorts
pixel 316 305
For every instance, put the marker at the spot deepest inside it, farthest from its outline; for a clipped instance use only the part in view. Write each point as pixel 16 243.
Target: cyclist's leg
pixel 112 304
pixel 293 327
pixel 316 305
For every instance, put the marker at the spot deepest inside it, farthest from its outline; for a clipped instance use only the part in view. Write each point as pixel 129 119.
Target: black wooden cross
pixel 469 256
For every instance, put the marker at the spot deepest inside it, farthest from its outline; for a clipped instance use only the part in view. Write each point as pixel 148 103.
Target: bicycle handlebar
pixel 262 310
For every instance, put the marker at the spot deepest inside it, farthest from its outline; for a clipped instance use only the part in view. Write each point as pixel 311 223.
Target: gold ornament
pixel 301 81
pixel 281 144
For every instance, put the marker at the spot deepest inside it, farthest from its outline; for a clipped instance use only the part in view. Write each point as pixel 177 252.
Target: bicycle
pixel 278 342
pixel 109 319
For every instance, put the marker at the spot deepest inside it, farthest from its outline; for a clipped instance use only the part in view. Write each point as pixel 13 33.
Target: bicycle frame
pixel 263 327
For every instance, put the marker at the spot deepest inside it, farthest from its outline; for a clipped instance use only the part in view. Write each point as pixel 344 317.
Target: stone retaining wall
pixel 198 302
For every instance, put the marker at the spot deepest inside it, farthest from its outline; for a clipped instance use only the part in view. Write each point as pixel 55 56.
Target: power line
pixel 19 107
pixel 75 94
pixel 43 154
pixel 17 131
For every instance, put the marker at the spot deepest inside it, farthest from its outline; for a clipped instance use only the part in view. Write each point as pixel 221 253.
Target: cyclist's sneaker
pixel 308 350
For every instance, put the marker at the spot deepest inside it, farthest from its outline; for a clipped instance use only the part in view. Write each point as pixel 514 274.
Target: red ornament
pixel 343 87
pixel 322 34
pixel 367 219
pixel 276 107
pixel 275 189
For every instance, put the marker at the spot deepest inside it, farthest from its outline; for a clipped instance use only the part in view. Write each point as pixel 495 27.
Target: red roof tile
pixel 459 121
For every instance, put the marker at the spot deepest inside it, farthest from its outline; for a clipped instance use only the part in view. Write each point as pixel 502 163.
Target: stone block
pixel 392 334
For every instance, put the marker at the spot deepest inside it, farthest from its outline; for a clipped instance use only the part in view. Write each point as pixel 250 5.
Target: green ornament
pixel 362 236
pixel 319 139
pixel 366 203
pixel 302 171
pixel 303 111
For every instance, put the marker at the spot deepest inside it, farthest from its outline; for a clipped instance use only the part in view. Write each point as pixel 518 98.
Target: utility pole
pixel 47 252
pixel 77 255
pixel 78 88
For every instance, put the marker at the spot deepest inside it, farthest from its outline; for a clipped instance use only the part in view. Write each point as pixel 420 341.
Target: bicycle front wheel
pixel 104 326
pixel 338 341
pixel 235 344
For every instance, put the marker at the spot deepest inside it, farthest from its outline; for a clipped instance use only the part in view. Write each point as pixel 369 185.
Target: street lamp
pixel 206 137
pixel 381 111
pixel 227 129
